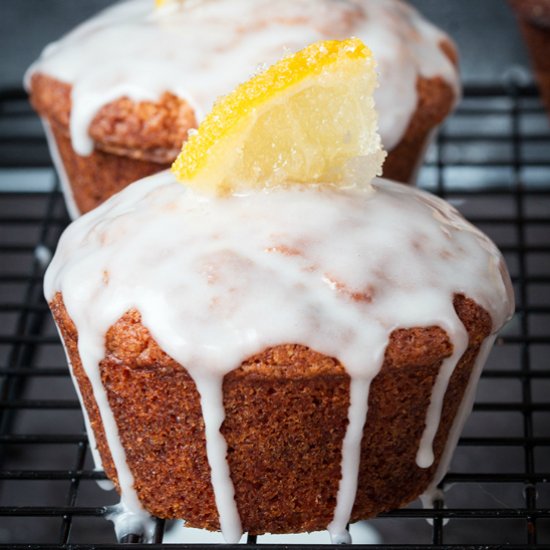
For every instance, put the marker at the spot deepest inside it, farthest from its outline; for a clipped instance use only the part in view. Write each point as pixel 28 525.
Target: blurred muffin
pixel 534 21
pixel 120 93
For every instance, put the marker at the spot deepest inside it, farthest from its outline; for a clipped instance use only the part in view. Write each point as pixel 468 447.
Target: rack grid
pixel 492 160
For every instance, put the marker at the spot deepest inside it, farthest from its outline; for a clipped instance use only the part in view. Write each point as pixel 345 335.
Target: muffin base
pixel 286 416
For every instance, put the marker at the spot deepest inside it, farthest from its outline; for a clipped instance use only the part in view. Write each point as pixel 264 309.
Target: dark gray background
pixel 485 31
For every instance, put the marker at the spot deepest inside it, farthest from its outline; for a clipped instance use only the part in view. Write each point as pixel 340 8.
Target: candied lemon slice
pixel 309 118
pixel 161 3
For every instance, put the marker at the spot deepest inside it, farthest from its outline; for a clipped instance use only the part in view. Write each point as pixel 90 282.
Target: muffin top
pixel 198 50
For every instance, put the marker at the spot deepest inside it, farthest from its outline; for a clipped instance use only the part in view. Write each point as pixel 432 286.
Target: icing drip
pixel 98 465
pixel 91 351
pixel 178 533
pixel 201 50
pixel 337 270
pixel 127 523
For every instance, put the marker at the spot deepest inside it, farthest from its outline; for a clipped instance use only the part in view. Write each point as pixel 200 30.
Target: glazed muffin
pixel 230 350
pixel 121 92
pixel 534 21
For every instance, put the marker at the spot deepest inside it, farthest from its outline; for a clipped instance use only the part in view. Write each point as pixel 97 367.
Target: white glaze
pixel 455 329
pixel 202 49
pixel 210 390
pixel 351 457
pixel 218 280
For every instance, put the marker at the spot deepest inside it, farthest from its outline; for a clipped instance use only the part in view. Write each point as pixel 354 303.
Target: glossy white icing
pixel 217 280
pixel 209 387
pixel 201 49
pixel 351 456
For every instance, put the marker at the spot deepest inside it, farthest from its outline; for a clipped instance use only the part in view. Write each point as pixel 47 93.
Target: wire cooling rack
pixel 492 160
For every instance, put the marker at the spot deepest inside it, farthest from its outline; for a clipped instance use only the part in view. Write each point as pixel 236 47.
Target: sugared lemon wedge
pixel 309 118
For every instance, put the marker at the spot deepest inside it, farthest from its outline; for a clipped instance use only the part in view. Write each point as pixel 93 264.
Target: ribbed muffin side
pixel 286 416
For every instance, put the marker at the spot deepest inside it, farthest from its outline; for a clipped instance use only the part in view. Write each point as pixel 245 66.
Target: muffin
pixel 534 21
pixel 228 350
pixel 121 92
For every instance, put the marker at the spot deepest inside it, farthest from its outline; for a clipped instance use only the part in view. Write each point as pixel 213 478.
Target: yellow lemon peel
pixel 305 119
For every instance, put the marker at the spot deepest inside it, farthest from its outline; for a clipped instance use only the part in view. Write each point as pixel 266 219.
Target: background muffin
pixel 257 332
pixel 121 92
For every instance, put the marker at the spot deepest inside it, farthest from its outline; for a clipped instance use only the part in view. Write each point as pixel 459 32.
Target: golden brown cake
pixel 534 21
pixel 286 414
pixel 120 99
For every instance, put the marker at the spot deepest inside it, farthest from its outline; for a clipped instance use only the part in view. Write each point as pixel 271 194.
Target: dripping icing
pixel 351 456
pixel 187 249
pixel 201 50
pixel 127 522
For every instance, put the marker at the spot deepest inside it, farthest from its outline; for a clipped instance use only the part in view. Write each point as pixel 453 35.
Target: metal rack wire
pixel 492 159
